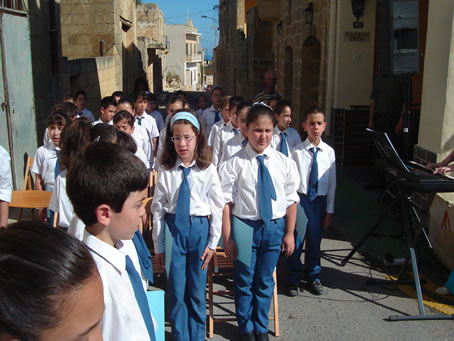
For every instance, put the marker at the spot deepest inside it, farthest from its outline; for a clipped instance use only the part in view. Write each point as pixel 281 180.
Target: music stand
pixel 402 199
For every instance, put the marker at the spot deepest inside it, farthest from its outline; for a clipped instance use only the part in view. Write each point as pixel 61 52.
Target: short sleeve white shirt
pixel 44 163
pixel 215 128
pixel 5 175
pixel 293 138
pixel 239 181
pixel 60 202
pixel 205 200
pixel 223 135
pixel 326 161
pixel 231 147
pixel 122 319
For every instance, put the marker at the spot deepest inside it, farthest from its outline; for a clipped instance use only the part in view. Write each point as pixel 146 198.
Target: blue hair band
pixel 184 115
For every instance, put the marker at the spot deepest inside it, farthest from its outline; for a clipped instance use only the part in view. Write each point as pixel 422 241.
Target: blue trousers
pixel 253 286
pixel 186 283
pixel 315 211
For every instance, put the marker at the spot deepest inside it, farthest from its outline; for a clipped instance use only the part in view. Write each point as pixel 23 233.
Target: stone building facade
pixel 151 33
pixel 184 62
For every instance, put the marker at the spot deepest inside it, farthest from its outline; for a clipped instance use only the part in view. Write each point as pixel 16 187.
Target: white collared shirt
pixel 161 142
pixel 205 200
pixel 293 139
pixel 149 123
pixel 60 202
pixel 223 135
pixel 208 117
pixel 326 161
pixel 143 142
pixel 5 175
pixel 231 147
pixel 44 163
pixel 239 182
pixel 215 128
pixel 122 319
pixel 101 121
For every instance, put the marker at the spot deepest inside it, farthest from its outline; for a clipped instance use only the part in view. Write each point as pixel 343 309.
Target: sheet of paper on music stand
pixel 168 248
pixel 242 235
pixel 301 222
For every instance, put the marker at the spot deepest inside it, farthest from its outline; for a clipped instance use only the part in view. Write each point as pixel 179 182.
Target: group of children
pixel 235 163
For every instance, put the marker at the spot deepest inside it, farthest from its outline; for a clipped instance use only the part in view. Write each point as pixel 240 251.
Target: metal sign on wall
pixel 356 37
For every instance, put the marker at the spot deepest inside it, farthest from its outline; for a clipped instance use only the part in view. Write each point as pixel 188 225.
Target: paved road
pixel 351 309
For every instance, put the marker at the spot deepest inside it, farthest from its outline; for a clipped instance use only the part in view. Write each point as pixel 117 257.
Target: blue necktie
pixel 312 188
pixel 141 297
pixel 244 143
pixel 144 255
pixel 283 148
pixel 266 191
pixel 182 216
pixel 236 131
pixel 139 119
pixel 217 117
pixel 57 165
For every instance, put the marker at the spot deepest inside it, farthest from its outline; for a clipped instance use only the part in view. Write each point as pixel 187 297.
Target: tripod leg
pixel 363 240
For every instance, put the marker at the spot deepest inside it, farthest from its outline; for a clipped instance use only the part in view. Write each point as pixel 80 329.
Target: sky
pixel 176 12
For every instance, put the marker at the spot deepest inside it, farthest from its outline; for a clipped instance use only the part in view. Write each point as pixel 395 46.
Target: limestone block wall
pixel 150 22
pixel 97 76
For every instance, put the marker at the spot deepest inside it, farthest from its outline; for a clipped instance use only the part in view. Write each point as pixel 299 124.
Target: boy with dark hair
pixel 146 121
pixel 117 95
pixel 151 110
pixel 316 164
pixel 212 114
pixel 108 108
pixel 124 121
pixel 80 102
pixel 45 159
pixel 201 104
pixel 107 185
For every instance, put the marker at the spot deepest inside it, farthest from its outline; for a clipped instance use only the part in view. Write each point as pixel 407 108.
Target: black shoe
pixel 292 290
pixel 248 336
pixel 261 336
pixel 317 287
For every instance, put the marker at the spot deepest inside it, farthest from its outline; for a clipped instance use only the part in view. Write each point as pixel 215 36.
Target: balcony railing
pixel 194 58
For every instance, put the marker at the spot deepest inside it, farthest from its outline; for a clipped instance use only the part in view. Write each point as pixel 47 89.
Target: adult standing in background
pixel 268 93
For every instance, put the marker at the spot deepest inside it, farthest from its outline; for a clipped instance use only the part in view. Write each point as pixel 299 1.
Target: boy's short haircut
pixel 180 93
pixel 152 97
pixel 118 93
pixel 281 105
pixel 313 110
pixel 242 105
pixel 103 174
pixel 70 109
pixel 173 99
pixel 80 92
pixel 58 117
pixel 103 132
pixel 216 88
pixel 108 101
pixel 126 99
pixel 137 95
pixel 234 101
pixel 68 96
pixel 124 115
pixel 225 102
pixel 126 141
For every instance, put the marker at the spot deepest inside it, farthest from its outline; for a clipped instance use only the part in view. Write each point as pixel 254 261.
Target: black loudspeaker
pixel 405 42
pixel 397 36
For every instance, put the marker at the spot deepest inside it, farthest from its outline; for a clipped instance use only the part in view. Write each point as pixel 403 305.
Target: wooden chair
pixel 147 221
pixel 152 180
pixel 222 266
pixel 28 185
pixel 30 199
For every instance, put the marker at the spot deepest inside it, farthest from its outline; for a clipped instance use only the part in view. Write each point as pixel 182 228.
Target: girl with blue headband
pixel 187 201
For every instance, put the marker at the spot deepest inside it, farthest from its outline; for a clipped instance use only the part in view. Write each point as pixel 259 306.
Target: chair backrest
pixel 153 179
pixel 28 177
pixel 30 199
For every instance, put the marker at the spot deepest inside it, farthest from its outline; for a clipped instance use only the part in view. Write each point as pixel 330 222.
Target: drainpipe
pixel 331 64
